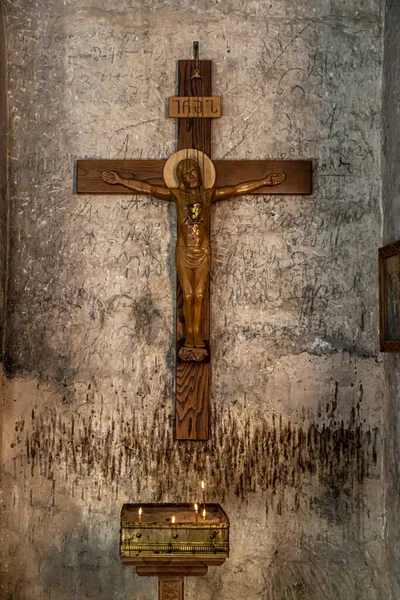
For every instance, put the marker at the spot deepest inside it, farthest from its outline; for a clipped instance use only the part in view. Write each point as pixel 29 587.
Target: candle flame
pixel 196 507
pixel 204 513
pixel 202 485
pixel 173 519
pixel 140 512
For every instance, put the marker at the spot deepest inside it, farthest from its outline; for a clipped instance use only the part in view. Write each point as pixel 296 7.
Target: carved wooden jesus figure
pixel 190 184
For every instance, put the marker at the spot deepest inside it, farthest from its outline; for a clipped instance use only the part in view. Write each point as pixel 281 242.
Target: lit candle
pixel 204 514
pixel 140 514
pixel 196 508
pixel 203 487
pixel 174 532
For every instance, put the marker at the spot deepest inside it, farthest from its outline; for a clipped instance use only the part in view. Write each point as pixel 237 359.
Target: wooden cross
pixel 194 131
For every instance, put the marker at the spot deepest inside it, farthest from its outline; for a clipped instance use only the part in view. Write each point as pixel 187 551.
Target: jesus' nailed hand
pixel 190 184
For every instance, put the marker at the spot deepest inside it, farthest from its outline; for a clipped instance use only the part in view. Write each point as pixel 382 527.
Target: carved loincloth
pixel 189 257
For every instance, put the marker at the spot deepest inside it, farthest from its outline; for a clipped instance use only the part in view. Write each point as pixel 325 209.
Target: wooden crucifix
pixel 193 182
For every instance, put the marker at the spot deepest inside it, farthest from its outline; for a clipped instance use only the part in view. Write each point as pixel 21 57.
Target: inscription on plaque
pixel 185 107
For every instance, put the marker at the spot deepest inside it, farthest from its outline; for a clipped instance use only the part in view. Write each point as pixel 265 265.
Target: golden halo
pixel 205 164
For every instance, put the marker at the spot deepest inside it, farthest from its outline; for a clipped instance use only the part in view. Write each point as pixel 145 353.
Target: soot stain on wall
pixel 125 452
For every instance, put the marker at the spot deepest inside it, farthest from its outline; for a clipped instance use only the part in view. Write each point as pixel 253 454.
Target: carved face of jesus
pixel 189 174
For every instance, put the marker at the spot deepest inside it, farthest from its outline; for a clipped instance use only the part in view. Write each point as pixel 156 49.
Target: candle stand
pixel 157 547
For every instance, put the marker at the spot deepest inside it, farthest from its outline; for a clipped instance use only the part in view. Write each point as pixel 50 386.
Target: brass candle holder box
pixel 155 535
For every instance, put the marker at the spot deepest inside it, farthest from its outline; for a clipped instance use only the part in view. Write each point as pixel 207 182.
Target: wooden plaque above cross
pixel 191 180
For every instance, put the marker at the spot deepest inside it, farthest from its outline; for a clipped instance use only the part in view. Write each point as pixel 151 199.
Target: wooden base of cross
pixel 193 368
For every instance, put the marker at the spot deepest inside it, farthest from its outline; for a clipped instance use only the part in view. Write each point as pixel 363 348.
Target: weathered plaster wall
pixel 391 232
pixel 3 191
pixel 298 386
pixel 3 171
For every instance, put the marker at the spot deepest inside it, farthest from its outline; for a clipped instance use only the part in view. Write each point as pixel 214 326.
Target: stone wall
pixel 391 232
pixel 298 392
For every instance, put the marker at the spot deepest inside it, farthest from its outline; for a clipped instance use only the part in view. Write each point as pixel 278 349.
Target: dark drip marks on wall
pixel 121 454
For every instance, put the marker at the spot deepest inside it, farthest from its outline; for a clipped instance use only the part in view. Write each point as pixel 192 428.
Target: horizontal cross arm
pixel 89 172
pixel 298 174
pixel 229 172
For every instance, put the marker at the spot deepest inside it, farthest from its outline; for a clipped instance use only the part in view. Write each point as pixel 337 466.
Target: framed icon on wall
pixel 389 297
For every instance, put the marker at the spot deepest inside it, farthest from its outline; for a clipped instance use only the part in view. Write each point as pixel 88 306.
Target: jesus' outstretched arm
pixel 247 187
pixel 140 187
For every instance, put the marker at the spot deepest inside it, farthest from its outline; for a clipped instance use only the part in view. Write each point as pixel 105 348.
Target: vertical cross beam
pixel 193 379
